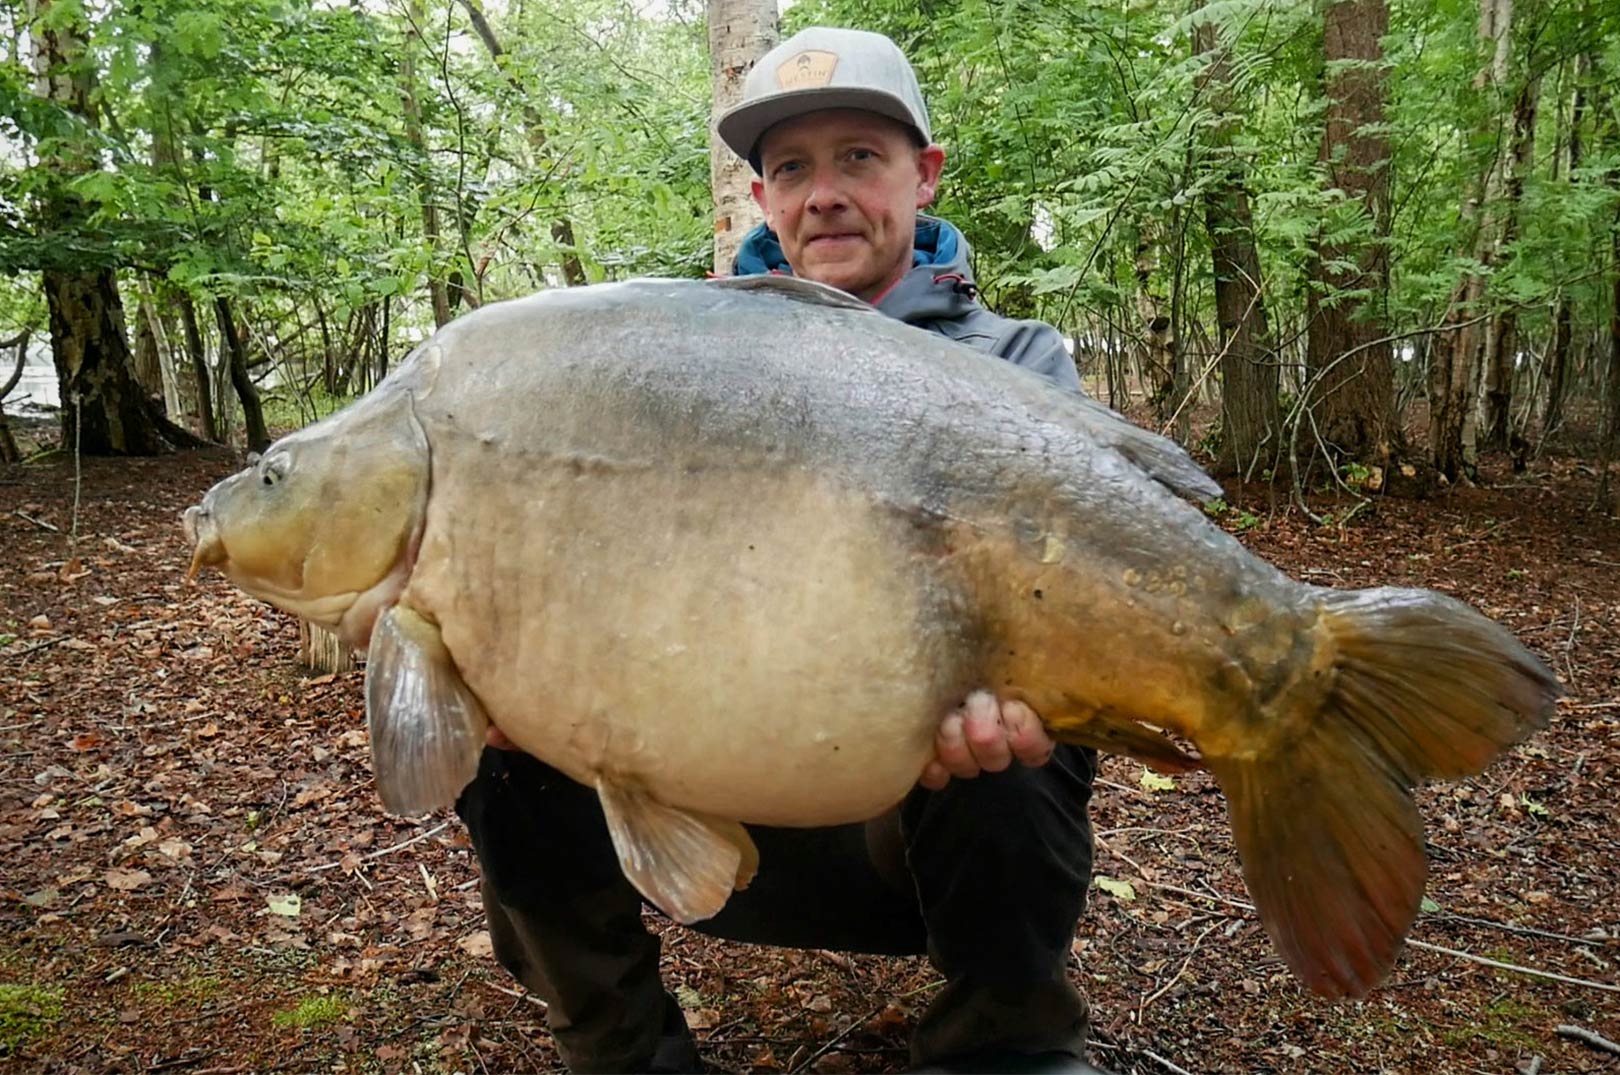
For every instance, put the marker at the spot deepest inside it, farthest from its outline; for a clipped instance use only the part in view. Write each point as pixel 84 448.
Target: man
pixel 983 867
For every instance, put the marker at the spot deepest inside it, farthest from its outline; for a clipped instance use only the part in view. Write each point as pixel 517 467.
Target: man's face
pixel 841 189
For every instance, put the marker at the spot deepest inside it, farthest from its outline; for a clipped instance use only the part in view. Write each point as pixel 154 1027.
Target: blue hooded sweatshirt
pixel 939 295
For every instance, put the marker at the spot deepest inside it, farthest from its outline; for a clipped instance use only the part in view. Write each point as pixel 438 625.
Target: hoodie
pixel 938 294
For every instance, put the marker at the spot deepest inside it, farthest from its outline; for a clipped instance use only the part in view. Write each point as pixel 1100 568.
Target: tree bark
pixel 412 108
pixel 1347 351
pixel 1558 360
pixel 1502 355
pixel 199 367
pixel 104 411
pixel 740 32
pixel 9 452
pixel 562 228
pixel 1457 378
pixel 258 438
pixel 1249 419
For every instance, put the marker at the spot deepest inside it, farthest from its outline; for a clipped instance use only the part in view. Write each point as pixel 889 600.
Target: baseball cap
pixel 824 67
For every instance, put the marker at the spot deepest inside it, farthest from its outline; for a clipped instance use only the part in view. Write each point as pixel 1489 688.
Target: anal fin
pixel 427 729
pixel 688 864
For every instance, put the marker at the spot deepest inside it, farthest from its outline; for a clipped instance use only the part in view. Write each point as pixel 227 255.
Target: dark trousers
pixel 987 877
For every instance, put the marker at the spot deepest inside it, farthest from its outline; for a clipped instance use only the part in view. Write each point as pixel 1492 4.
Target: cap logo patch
pixel 807 69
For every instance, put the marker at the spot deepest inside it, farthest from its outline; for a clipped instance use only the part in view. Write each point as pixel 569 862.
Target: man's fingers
pixel 985 734
pixel 934 776
pixel 951 751
pixel 1026 735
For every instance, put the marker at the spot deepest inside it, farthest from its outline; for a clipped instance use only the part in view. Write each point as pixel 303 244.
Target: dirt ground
pixel 199 878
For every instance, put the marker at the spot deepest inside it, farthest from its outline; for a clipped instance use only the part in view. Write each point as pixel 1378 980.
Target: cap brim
pixel 742 127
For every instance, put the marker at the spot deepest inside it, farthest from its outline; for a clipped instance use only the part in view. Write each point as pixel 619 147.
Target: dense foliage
pixel 323 166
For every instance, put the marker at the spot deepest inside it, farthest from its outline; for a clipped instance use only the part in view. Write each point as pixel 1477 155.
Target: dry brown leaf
pixel 126 880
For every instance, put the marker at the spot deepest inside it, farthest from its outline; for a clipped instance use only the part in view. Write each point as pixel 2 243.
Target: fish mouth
pixel 208 548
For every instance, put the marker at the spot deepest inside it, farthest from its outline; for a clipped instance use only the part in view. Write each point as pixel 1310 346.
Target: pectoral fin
pixel 427 729
pixel 686 863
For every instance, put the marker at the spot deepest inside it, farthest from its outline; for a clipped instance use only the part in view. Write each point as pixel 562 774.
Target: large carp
pixel 729 551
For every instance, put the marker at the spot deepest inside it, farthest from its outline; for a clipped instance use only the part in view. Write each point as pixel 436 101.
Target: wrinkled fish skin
pixel 728 551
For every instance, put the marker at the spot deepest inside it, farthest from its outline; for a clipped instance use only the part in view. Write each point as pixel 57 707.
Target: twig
pixel 1594 705
pixel 389 850
pixel 831 1043
pixel 41 523
pixel 1534 1067
pixel 1148 1003
pixel 1588 1038
pixel 1527 931
pixel 1514 967
pixel 1174 1069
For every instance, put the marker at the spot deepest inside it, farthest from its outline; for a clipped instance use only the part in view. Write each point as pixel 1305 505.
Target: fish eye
pixel 273 470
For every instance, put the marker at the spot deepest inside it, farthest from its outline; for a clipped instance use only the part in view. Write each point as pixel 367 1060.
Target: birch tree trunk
pixel 740 32
pixel 1347 351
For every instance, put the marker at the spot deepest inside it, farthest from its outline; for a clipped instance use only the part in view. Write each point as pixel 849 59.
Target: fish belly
pixel 755 643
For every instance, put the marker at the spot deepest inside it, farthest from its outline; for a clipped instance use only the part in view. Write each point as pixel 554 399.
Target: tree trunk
pixel 9 452
pixel 740 32
pixel 148 366
pixel 258 438
pixel 562 228
pixel 1249 419
pixel 1502 356
pixel 1347 351
pixel 104 411
pixel 424 180
pixel 199 368
pixel 1558 360
pixel 1610 407
pixel 1469 357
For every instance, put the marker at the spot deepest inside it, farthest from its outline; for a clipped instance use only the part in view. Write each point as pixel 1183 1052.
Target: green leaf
pixel 1153 781
pixel 288 906
pixel 1120 890
pixel 1428 906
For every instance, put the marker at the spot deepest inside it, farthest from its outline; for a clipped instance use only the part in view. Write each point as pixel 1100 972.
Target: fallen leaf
pixel 126 880
pixel 1120 890
pixel 87 741
pixel 288 906
pixel 1153 781
pixel 477 945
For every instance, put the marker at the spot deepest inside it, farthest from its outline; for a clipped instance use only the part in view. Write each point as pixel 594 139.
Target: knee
pixel 1011 815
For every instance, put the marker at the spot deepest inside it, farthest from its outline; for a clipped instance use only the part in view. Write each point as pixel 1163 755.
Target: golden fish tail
pixel 1332 846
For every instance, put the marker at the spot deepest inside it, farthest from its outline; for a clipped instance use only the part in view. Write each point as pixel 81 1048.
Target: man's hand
pixel 985 735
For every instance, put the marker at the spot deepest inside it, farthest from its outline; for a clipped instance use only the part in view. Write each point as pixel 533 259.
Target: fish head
pixel 325 523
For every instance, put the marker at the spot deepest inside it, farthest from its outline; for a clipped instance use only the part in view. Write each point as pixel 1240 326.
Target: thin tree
pixel 740 32
pixel 534 127
pixel 411 107
pixel 1563 334
pixel 1348 355
pixel 1249 418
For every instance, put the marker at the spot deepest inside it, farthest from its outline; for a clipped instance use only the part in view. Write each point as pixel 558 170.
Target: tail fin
pixel 1332 845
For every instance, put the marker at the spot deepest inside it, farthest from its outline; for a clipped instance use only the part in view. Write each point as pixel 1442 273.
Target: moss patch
pixel 1505 1024
pixel 26 1012
pixel 313 1011
pixel 188 992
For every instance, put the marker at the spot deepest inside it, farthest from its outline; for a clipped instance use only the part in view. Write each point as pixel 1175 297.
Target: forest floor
pixel 199 878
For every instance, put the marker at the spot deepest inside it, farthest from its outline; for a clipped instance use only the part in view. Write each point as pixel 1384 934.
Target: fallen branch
pixel 1174 1069
pixel 1470 957
pixel 41 523
pixel 1588 1038
pixel 389 850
